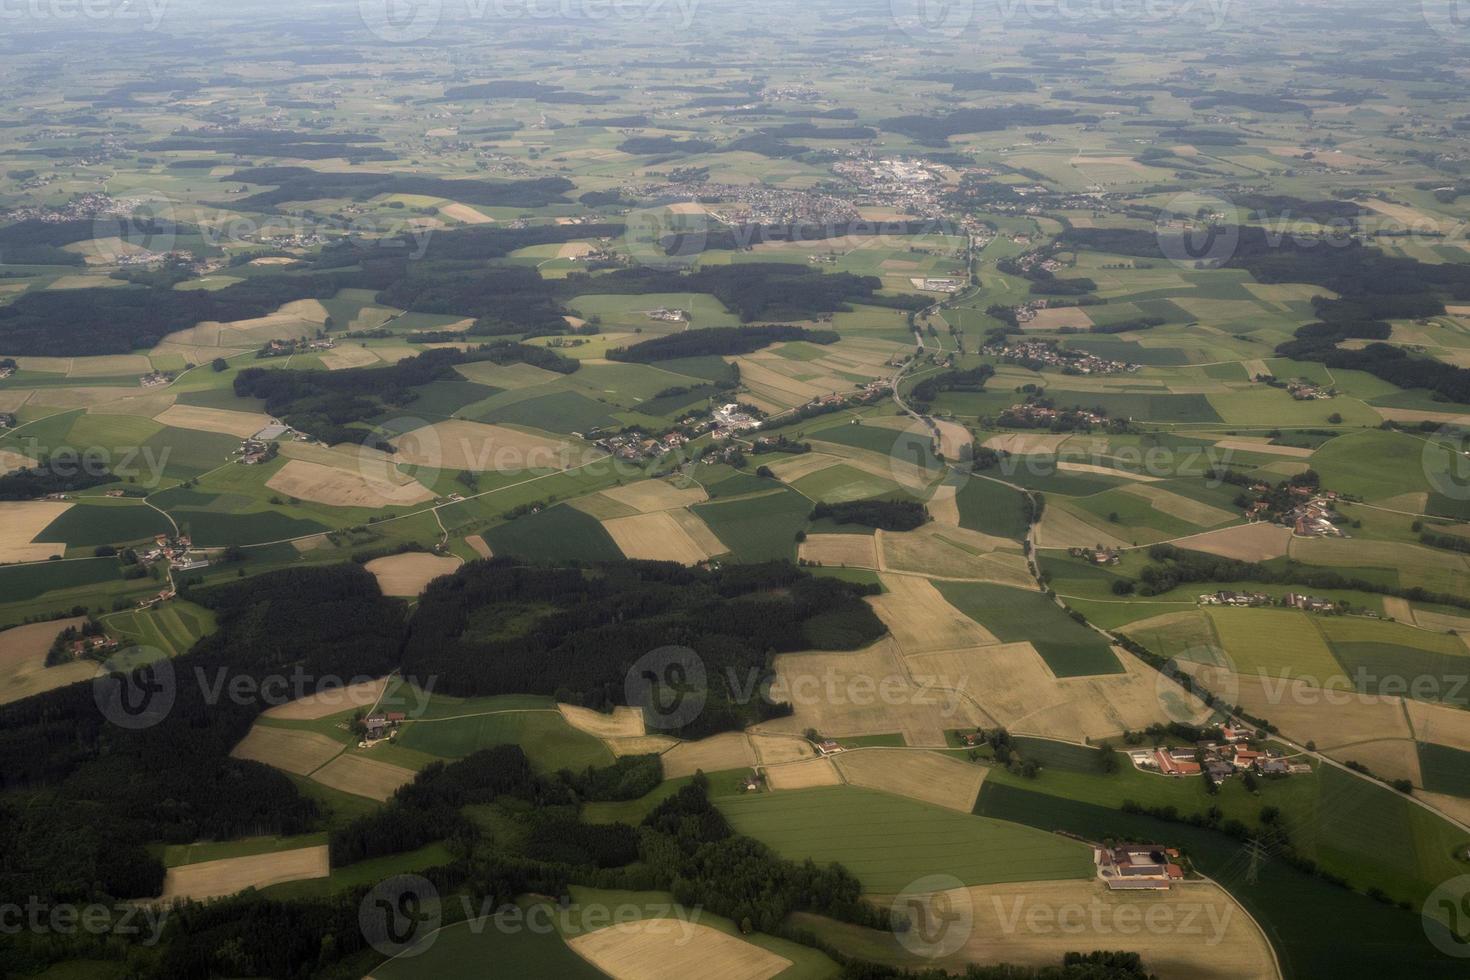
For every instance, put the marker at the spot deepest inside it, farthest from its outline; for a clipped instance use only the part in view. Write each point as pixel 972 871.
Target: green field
pixel 549 742
pixel 888 841
pixel 1069 648
pixel 559 533
pixel 760 528
pixel 992 508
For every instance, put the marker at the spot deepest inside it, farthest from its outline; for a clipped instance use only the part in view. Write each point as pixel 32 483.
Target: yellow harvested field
pixel 1066 466
pixel 1246 542
pixel 466 214
pixel 1026 443
pixel 1056 318
pixel 953 553
pixel 361 776
pixel 1396 758
pixel 1011 684
pixel 1184 508
pixel 23 670
pixel 11 399
pixel 925 776
pixel 647 496
pixel 601 506
pixel 670 949
pixel 1455 808
pixel 730 750
pixel 288 749
pixel 656 536
pixel 944 506
pixel 624 722
pixel 463 445
pixel 363 694
pixel 1410 217
pixel 481 547
pixel 239 424
pixel 1303 711
pixel 1399 609
pixel 644 745
pixel 110 365
pixel 13 461
pixel 410 573
pixel 699 532
pixel 771 749
pixel 954 440
pixel 1438 723
pixel 215 879
pixel 1200 932
pixel 921 620
pixel 872 691
pixel 1355 553
pixel 852 550
pixel 21 521
pixel 1249 446
pixel 339 358
pixel 802 775
pixel 77 397
pixel 793 469
pixel 346 488
pixel 1439 622
pixel 1060 528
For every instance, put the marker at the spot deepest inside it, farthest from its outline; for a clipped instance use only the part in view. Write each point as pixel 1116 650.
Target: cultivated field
pixel 21 521
pixel 925 776
pixel 1245 542
pixel 1011 684
pixel 780 748
pixel 343 488
pixel 852 550
pixel 362 776
pixel 728 751
pixel 230 423
pixel 647 496
pixel 324 704
pixel 214 879
pixel 477 542
pixel 288 749
pixel 920 619
pixel 655 536
pixel 23 670
pixel 955 553
pixel 1061 528
pixel 802 775
pixel 666 949
pixel 410 573
pixel 623 722
pixel 464 445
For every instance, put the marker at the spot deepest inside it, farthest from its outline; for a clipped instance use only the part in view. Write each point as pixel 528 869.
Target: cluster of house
pixel 1036 352
pixel 85 645
pixel 1306 391
pixel 176 551
pixel 282 348
pixel 638 445
pixel 1127 867
pixel 1219 759
pixel 376 728
pixel 730 419
pixel 937 285
pixel 6 370
pixel 1029 414
pixel 7 420
pixel 1226 597
pixel 1313 518
pixel 1027 311
pixel 668 314
pixel 1097 556
pixel 154 600
pixel 156 379
pixel 258 448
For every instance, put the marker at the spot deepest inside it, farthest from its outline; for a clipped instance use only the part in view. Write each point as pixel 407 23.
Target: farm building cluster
pixel 177 551
pixel 1219 759
pixel 1129 867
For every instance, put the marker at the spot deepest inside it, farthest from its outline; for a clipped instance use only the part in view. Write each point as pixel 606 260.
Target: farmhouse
pixel 1309 603
pixel 1138 866
pixel 1229 598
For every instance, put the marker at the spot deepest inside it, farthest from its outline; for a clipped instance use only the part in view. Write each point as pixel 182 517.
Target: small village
pixel 1219 759
pixel 177 551
pixel 1038 354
